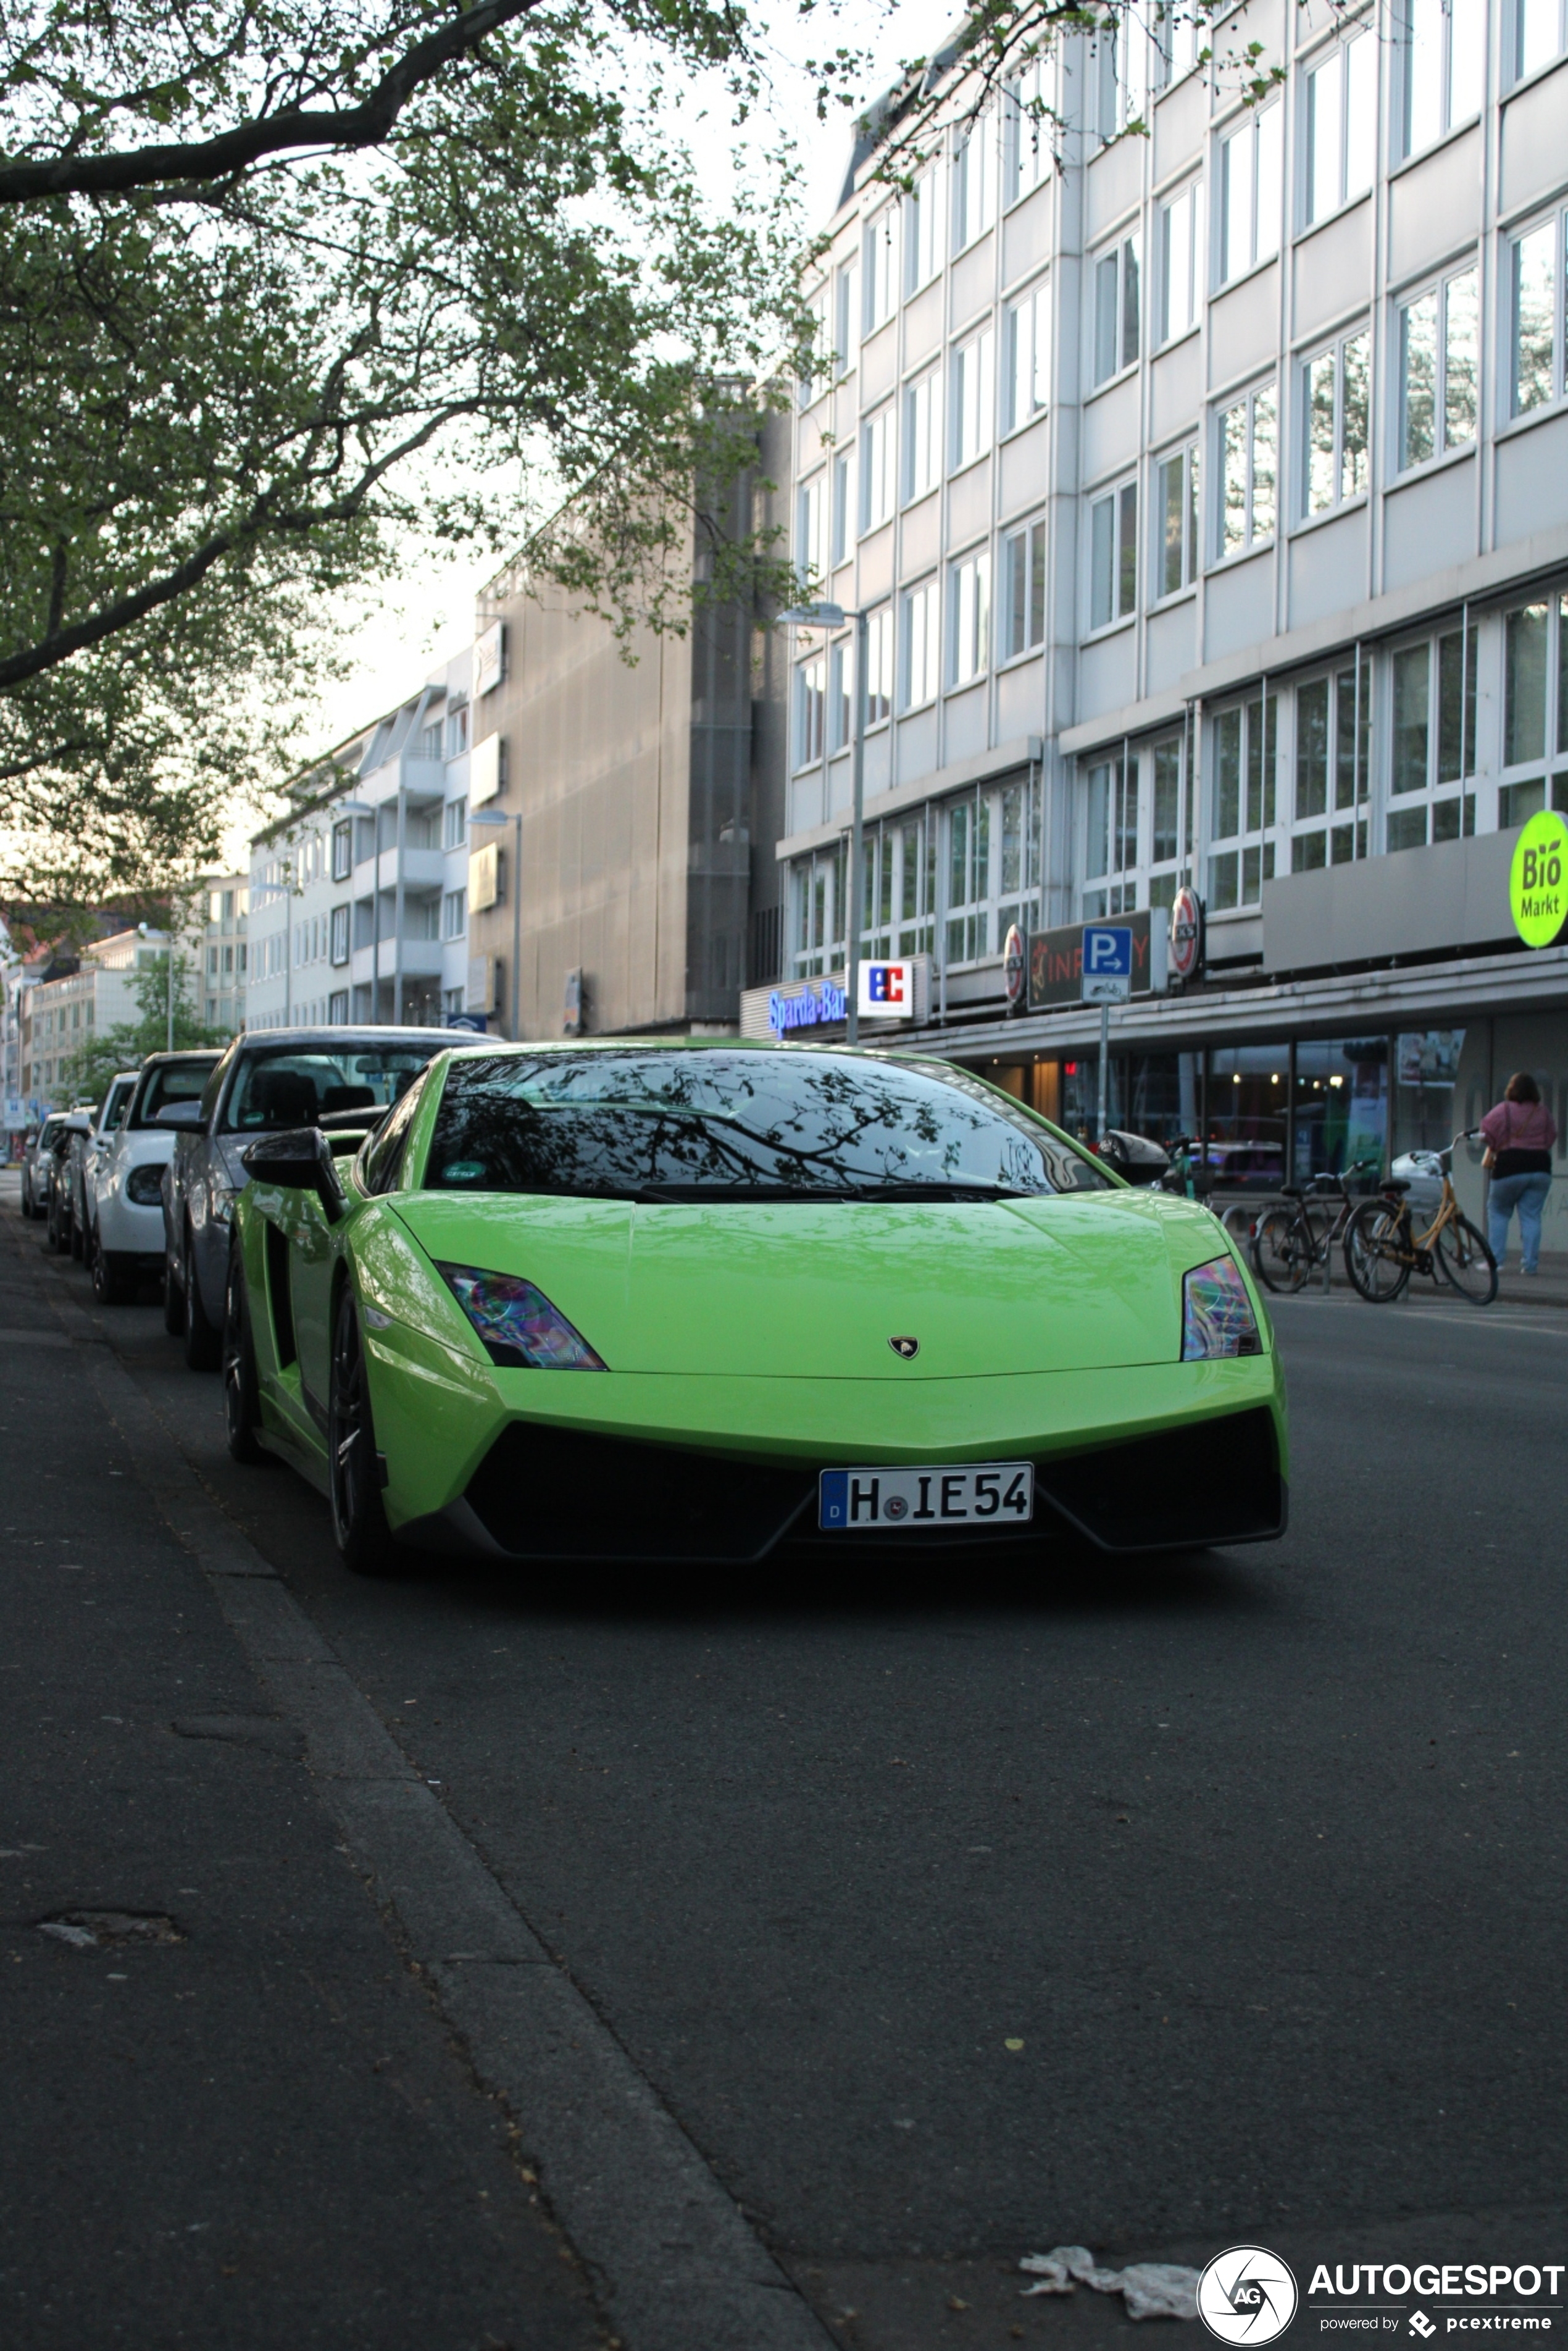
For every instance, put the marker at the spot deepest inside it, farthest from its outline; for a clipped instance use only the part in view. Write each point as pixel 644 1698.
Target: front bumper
pixel 129 1228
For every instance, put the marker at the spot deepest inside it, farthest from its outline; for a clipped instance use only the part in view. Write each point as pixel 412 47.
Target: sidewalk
pixel 233 2116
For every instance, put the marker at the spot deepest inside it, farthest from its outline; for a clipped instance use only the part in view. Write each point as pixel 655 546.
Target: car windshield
pixel 716 1124
pixel 295 1087
pixel 170 1081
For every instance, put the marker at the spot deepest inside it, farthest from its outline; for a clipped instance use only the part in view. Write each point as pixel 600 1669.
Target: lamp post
pixel 833 616
pixel 486 819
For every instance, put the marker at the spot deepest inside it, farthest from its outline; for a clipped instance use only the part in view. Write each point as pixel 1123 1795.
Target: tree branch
pixel 334 128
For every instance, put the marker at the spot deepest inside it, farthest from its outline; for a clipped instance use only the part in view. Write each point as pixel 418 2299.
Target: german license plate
pixel 977 1493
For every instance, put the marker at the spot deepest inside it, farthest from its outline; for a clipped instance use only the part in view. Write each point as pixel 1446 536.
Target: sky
pixel 427 616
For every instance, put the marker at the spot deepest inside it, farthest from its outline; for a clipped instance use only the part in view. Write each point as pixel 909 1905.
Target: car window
pixel 119 1103
pixel 737 1124
pixel 295 1087
pixel 215 1084
pixel 380 1155
pixel 169 1082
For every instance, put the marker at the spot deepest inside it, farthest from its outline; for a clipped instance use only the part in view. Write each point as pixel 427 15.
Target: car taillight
pixel 1216 1317
pixel 517 1326
pixel 145 1186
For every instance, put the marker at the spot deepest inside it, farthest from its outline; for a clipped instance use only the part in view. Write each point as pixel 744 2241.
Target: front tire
pixel 1375 1255
pixel 1467 1262
pixel 113 1277
pixel 1280 1255
pixel 242 1386
pixel 359 1520
pixel 203 1345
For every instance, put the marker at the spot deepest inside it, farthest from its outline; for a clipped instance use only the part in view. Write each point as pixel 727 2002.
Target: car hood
pixel 1091 1280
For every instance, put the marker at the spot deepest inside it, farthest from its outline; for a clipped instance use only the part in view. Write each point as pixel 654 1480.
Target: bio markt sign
pixel 1538 880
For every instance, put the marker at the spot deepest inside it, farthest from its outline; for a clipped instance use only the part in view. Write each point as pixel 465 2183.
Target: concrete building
pixel 211 933
pixel 58 1016
pixel 1210 504
pixel 650 794
pixel 358 896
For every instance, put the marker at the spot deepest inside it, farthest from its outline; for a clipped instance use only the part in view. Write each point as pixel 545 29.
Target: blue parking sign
pixel 1107 961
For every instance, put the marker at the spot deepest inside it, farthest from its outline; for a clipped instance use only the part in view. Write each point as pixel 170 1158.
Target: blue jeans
pixel 1528 1195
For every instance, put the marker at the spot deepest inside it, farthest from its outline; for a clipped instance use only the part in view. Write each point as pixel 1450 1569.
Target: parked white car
pixel 95 1150
pixel 127 1179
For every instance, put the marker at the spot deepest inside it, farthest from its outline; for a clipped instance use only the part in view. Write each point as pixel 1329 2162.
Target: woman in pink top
pixel 1519 1134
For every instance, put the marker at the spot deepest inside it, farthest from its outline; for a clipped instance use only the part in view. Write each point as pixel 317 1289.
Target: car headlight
pixel 1216 1317
pixel 517 1326
pixel 145 1186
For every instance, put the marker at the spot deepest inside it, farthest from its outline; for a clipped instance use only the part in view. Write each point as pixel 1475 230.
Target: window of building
pixel 1176 520
pixel 1026 347
pixel 921 644
pixel 842 504
pixel 974 182
pixel 969 618
pixel 846 315
pixel 974 397
pixel 1111 837
pixel 1334 736
pixel 899 886
pixel 1116 299
pixel 817 913
pixel 1535 316
pixel 343 851
pixel 1539 34
pixel 455 823
pixel 879 665
pixel 1342 127
pixel 339 921
pixel 1119 73
pixel 991 868
pixel 922 236
pixel 811 530
pixel 1180 262
pixel 429 744
pixel 1023 579
pixel 879 268
pixel 922 435
pixel 1335 423
pixel 1251 192
pixel 1442 62
pixel 1181 41
pixel 1113 556
pixel 212 962
pixel 338 1008
pixel 456 734
pixel 840 693
pixel 809 699
pixel 1439 370
pixel 1026 157
pixel 1245 755
pixel 228 959
pixel 1433 747
pixel 1248 452
pixel 454 913
pixel 878 478
pixel 1534 710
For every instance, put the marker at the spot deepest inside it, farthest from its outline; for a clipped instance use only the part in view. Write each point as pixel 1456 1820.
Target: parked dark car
pixel 66 1148
pixel 36 1166
pixel 265 1083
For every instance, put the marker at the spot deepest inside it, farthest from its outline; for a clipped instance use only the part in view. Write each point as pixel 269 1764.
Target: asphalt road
pixel 956 1917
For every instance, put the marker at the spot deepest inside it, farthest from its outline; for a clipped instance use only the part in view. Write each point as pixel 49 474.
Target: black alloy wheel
pixel 203 1345
pixel 359 1520
pixel 242 1387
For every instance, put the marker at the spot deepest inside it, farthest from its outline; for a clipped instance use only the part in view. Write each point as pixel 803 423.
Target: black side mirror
pixel 300 1160
pixel 1134 1156
pixel 179 1113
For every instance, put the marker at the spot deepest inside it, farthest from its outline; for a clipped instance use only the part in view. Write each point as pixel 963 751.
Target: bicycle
pixel 1289 1246
pixel 1381 1249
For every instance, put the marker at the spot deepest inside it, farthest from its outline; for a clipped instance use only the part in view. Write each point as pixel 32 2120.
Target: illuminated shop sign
pixel 812 1005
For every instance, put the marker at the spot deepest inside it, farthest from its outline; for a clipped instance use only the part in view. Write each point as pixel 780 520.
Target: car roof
pixel 189 1053
pixel 326 1041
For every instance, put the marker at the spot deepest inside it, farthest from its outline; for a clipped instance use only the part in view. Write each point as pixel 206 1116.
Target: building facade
pixel 1209 502
pixel 58 1016
pixel 358 896
pixel 211 933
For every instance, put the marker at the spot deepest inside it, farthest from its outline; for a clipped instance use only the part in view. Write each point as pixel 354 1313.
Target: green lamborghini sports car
pixel 643 1303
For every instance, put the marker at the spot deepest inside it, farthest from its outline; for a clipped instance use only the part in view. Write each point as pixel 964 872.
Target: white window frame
pixel 840 693
pixel 1548 229
pixel 811 710
pixel 1532 778
pixel 879 269
pixel 1180 295
pixel 1437 805
pixel 810 530
pixel 881 666
pixel 455 823
pixel 1445 296
pixel 1022 629
pixel 1338 359
pixel 1445 39
pixel 454 913
pixel 1114 550
pixel 974 408
pixel 1255 535
pixel 974 181
pixel 842 520
pixel 1026 346
pixel 922 435
pixel 1185 466
pixel 920 644
pixel 1336 833
pixel 820 373
pixel 1339 126
pixel 969 617
pixel 923 230
pixel 1026 152
pixel 879 468
pixel 1251 845
pixel 1252 154
pixel 846 314
pixel 1116 310
pixel 1537 36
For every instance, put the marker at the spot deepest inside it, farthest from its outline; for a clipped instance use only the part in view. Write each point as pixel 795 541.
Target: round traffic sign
pixel 1186 934
pixel 1538 880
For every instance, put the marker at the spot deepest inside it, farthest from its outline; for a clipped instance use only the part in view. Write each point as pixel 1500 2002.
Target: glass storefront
pixel 1425 1076
pixel 1340 1105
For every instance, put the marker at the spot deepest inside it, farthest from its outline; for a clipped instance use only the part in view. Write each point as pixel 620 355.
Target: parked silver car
pixel 126 1184
pixel 36 1164
pixel 267 1082
pixel 86 1156
pixel 65 1150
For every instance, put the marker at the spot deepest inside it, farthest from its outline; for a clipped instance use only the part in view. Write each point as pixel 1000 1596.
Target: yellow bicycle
pixel 1382 1249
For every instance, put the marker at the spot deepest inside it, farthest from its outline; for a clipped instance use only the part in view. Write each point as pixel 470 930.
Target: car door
pixel 313 1247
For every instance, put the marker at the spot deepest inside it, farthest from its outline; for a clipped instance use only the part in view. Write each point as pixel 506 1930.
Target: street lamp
pixel 833 616
pixel 488 819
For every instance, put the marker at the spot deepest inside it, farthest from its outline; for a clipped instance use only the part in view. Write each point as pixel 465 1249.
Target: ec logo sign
pixel 887 991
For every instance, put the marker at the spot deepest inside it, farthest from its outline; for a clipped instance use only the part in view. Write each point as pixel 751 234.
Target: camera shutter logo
pixel 1246 2295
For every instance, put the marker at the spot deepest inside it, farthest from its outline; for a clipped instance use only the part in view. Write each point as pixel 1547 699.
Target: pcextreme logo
pixel 1246 2295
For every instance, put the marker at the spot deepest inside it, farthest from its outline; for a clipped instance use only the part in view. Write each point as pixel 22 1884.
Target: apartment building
pixel 1208 501
pixel 60 1014
pixel 358 894
pixel 211 933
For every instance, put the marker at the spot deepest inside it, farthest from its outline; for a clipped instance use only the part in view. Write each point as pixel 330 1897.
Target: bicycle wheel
pixel 1281 1253
pixel 1375 1255
pixel 1467 1262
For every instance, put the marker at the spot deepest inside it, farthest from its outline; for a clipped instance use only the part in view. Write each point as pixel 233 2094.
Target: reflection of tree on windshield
pixel 799 1125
